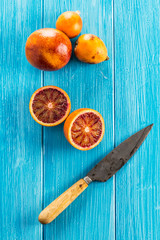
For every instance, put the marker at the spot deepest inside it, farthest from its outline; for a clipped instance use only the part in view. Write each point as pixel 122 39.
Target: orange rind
pixel 49 106
pixel 84 128
pixel 90 49
pixel 70 23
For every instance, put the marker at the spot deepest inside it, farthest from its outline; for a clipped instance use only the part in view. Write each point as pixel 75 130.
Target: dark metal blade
pixel 109 165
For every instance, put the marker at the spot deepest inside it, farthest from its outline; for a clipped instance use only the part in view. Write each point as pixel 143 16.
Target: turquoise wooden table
pixel 38 164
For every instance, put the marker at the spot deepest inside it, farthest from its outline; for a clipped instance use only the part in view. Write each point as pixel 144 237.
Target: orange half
pixel 84 128
pixel 49 106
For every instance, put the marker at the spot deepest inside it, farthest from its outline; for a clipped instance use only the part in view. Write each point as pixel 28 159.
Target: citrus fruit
pixel 84 128
pixel 90 49
pixel 49 106
pixel 70 23
pixel 48 49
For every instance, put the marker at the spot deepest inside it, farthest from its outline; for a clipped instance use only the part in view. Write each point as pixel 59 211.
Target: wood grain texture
pixel 91 215
pixel 38 164
pixel 20 163
pixel 62 202
pixel 137 104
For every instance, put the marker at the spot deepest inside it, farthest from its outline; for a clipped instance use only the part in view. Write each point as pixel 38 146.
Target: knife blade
pixel 116 159
pixel 104 170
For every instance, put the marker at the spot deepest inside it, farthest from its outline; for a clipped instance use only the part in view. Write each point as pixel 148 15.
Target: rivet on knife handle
pixel 62 202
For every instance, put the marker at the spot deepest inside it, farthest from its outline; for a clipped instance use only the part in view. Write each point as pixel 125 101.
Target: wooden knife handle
pixel 62 202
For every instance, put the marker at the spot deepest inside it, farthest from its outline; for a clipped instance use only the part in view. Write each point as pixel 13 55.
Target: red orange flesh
pixel 84 128
pixel 49 106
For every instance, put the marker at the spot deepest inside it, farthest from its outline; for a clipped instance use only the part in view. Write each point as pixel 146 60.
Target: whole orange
pixel 48 49
pixel 70 23
pixel 90 49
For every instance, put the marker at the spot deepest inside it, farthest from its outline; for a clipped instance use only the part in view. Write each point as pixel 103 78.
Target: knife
pixel 104 170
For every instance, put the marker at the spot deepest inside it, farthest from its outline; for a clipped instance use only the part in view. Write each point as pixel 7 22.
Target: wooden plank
pixel 137 104
pixel 91 216
pixel 20 170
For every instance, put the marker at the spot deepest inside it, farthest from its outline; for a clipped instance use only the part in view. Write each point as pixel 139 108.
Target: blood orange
pixel 84 128
pixel 49 106
pixel 70 23
pixel 48 49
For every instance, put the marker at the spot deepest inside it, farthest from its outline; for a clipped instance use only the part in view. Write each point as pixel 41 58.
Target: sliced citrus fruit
pixel 84 128
pixel 49 106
